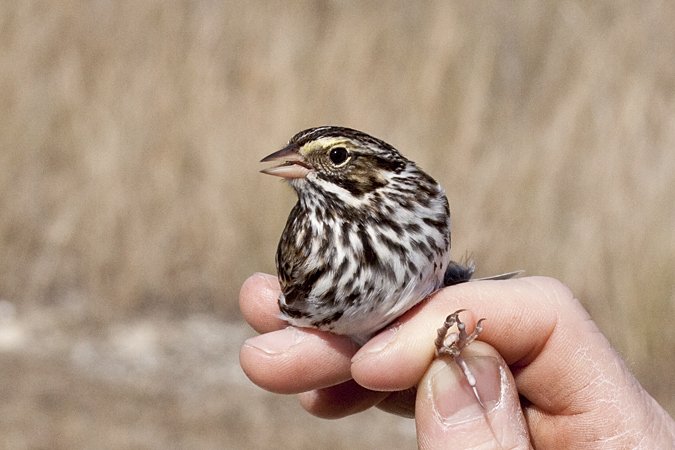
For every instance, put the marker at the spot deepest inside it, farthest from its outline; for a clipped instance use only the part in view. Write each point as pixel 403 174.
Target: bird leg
pixel 452 345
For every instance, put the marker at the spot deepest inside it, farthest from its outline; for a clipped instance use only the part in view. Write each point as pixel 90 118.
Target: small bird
pixel 368 239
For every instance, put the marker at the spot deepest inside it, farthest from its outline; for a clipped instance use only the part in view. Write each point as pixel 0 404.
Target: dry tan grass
pixel 131 131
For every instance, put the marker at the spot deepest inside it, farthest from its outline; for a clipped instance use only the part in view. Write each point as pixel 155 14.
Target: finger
pixel 296 360
pixel 258 299
pixel 349 398
pixel 449 416
pixel 400 403
pixel 521 316
pixel 341 400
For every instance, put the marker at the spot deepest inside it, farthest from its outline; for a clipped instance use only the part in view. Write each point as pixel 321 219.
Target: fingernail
pixel 376 344
pixel 271 280
pixel 277 341
pixel 453 398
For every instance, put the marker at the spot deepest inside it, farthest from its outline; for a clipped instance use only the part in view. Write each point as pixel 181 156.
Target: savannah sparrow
pixel 368 239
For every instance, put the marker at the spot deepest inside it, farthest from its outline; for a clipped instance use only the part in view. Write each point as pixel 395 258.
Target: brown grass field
pixel 131 207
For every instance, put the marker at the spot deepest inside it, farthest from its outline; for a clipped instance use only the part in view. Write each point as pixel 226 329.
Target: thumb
pixel 447 414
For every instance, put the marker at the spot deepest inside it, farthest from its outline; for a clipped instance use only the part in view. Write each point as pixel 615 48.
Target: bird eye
pixel 338 155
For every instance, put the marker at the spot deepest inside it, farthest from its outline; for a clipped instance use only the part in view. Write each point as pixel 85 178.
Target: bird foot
pixel 452 345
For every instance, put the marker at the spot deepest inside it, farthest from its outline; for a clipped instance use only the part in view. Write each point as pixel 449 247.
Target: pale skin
pixel 538 343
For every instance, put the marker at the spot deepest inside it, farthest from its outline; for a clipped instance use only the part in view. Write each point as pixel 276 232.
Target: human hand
pixel 575 390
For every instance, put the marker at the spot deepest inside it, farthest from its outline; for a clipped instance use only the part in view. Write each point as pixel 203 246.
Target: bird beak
pixel 293 165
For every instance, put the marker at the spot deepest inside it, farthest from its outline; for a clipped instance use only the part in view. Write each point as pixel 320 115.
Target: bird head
pixel 335 159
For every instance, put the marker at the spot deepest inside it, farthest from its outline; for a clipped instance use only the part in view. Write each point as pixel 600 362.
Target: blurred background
pixel 131 207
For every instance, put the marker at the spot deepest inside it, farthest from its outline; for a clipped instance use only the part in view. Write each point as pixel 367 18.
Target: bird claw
pixel 457 342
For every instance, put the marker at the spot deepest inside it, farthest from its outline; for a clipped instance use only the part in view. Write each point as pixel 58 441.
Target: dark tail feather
pixel 460 273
